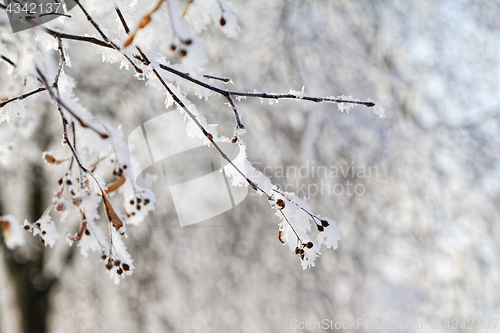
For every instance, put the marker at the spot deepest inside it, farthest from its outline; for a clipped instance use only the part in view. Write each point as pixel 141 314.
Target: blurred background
pixel 419 244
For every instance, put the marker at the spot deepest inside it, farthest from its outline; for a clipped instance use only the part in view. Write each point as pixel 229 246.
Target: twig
pixel 103 35
pixel 223 79
pixel 10 62
pixel 2 104
pixel 122 19
pixel 92 40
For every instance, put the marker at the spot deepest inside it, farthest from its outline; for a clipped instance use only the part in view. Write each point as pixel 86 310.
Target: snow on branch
pixel 75 192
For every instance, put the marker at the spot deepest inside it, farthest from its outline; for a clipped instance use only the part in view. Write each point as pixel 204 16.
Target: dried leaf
pixel 110 212
pixel 116 184
pixel 5 225
pixel 142 23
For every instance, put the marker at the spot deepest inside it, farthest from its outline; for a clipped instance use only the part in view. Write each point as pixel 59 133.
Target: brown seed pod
pixel 68 182
pixel 109 265
pixel 324 223
pixel 132 202
pixel 60 207
pixel 309 245
pixel 297 250
pixel 42 241
pixel 44 232
pixel 125 267
pixel 77 201
pixel 234 140
pixel 124 166
pixel 103 256
pixel 87 232
pixel 279 235
pixel 187 42
pixel 117 262
pixel 280 203
pixel 37 225
pixel 60 181
pixel 119 271
pixel 173 47
pixel 26 227
pixel 320 228
pixel 183 53
pixel 146 202
pixel 241 126
pixel 139 200
pixel 138 207
pixel 209 136
pixel 302 256
pixel 301 251
pixel 222 21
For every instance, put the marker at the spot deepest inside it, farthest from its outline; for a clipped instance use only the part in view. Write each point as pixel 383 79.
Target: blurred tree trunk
pixel 32 287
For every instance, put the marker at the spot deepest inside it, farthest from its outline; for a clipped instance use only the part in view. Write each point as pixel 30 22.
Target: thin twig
pixel 87 39
pixel 223 79
pixel 10 62
pixel 2 104
pixel 103 35
pixel 122 19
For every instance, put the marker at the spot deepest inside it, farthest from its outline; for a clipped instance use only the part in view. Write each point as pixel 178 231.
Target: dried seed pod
pixel 117 262
pixel 302 256
pixel 309 245
pixel 26 227
pixel 68 182
pixel 103 256
pixel 146 202
pixel 125 267
pixel 60 181
pixel 119 271
pixel 124 166
pixel 209 136
pixel 109 265
pixel 182 53
pixel 87 232
pixel 173 47
pixel 138 207
pixel 60 207
pixel 280 203
pixel 297 250
pixel 44 232
pixel 37 225
pixel 234 140
pixel 279 234
pixel 301 251
pixel 42 241
pixel 187 42
pixel 77 201
pixel 132 202
pixel 320 227
pixel 222 21
pixel 241 126
pixel 324 223
pixel 139 200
